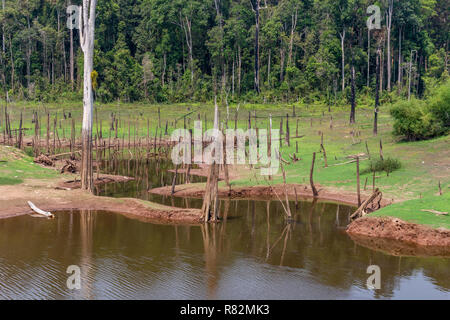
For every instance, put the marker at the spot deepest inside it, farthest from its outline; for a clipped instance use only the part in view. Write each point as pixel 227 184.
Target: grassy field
pixel 15 167
pixel 411 211
pixel 424 164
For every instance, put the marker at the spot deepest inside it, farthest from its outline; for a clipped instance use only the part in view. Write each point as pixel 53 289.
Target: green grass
pixel 411 211
pixel 423 163
pixel 15 167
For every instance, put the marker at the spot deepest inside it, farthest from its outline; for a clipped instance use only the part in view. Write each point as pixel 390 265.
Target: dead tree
pixel 256 7
pixel 311 179
pixel 210 208
pixel 87 27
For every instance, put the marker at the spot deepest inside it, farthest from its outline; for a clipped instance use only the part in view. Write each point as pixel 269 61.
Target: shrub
pixel 420 120
pixel 439 106
pixel 387 165
pixel 412 120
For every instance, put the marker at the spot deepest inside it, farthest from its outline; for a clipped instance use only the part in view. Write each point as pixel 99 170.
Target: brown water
pixel 253 254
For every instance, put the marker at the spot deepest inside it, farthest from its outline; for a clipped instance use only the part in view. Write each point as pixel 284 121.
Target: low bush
pixel 420 120
pixel 387 165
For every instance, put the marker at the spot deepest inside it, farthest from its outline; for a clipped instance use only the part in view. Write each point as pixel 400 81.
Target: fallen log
pixel 364 208
pixel 39 211
pixel 439 213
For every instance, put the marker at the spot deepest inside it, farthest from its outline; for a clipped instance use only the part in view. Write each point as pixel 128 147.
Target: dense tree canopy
pixel 191 50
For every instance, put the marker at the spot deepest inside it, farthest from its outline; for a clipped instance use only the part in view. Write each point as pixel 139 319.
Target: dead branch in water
pixel 39 211
pixel 374 200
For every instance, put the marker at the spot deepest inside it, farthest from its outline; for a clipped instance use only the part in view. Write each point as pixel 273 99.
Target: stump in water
pixel 210 208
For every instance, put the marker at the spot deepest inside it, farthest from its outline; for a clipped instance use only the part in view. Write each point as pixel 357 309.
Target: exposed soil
pixel 400 248
pixel 102 179
pixel 396 229
pixel 303 191
pixel 43 193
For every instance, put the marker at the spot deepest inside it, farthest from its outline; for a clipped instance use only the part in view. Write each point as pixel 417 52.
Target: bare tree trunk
pixel 210 206
pixel 377 93
pixel 342 35
pixel 268 67
pixel 72 71
pixel 399 76
pixel 3 30
pixel 291 40
pixel 256 10
pixel 368 57
pixel 28 55
pixel 389 28
pixel 87 28
pixel 353 97
pixel 186 24
pixel 239 69
pixel 282 58
pixel 382 67
pixel 12 63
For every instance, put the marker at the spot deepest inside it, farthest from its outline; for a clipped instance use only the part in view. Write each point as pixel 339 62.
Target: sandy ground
pixel 47 195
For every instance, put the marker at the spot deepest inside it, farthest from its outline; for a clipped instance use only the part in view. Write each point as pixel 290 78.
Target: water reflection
pixel 251 254
pixel 148 174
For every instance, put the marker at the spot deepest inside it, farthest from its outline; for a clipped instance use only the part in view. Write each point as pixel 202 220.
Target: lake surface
pixel 252 254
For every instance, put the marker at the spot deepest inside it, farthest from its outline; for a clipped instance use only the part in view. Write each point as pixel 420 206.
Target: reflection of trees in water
pixel 148 173
pixel 87 225
pixel 138 252
pixel 211 253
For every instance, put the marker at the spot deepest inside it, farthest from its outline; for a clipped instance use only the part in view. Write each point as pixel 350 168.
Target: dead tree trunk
pixel 210 208
pixel 377 93
pixel 311 179
pixel 87 27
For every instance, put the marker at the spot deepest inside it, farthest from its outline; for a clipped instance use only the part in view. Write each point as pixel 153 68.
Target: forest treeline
pixel 252 50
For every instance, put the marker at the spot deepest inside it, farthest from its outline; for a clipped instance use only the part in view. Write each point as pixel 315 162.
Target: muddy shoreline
pixel 64 194
pixel 367 228
pixel 49 195
pixel 275 192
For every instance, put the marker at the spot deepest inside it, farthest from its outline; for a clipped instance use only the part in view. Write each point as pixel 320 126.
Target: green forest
pixel 258 51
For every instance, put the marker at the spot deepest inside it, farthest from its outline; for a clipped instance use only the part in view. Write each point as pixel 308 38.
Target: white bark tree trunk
pixel 87 28
pixel 389 28
pixel 342 35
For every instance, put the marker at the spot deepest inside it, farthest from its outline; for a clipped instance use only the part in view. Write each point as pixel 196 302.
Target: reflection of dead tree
pixel 87 223
pixel 286 232
pixel 209 243
pixel 313 206
pixel 372 204
pixel 268 229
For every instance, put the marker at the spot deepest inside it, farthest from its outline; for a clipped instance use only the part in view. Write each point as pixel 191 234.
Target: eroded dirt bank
pixel 43 193
pixel 273 192
pixel 396 229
